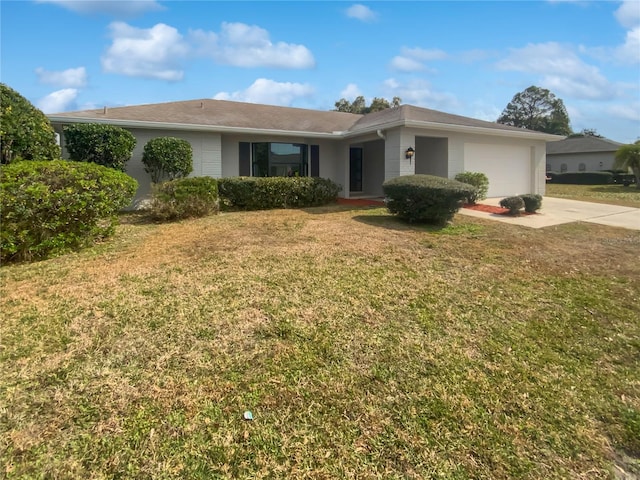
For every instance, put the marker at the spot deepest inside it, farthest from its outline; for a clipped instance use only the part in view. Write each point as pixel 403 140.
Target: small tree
pixel 628 157
pixel 106 145
pixel 167 158
pixel 25 132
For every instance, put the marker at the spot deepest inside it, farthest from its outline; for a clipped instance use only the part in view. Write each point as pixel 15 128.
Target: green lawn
pixel 613 194
pixel 364 348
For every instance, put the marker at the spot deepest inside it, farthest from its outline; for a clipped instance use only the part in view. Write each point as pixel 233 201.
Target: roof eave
pixel 528 134
pixel 191 127
pixel 299 133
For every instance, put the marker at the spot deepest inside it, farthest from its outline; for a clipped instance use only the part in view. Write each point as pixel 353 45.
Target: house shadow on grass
pixel 391 222
pixel 136 217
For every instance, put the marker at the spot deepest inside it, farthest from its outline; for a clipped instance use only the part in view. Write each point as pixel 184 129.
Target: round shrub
pixel 425 198
pixel 260 193
pixel 105 145
pixel 532 202
pixel 478 180
pixel 184 198
pixel 167 158
pixel 25 132
pixel 52 206
pixel 514 204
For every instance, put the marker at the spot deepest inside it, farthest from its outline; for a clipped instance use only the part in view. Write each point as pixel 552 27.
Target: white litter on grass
pixel 248 415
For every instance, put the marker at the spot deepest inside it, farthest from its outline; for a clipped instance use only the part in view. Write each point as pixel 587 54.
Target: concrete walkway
pixel 556 211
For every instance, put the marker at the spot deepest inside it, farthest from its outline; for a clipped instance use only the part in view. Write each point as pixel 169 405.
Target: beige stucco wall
pixel 456 141
pixel 217 155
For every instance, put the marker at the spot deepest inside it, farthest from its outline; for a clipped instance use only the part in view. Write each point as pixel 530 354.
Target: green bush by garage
pixel 49 207
pixel 426 198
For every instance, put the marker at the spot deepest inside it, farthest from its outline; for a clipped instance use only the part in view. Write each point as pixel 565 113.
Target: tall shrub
pixel 425 198
pixel 478 180
pixel 167 158
pixel 52 206
pixel 106 145
pixel 25 132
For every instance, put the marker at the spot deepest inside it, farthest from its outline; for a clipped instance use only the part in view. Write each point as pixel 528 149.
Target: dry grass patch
pixel 365 348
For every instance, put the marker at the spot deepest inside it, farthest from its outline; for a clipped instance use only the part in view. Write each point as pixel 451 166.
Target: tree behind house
pixel 359 105
pixel 537 109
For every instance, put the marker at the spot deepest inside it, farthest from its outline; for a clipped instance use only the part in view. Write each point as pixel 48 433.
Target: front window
pixel 279 160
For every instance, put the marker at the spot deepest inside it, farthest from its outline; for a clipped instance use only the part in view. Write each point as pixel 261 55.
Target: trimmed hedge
pixel 514 204
pixel 426 198
pixel 582 178
pixel 184 198
pixel 49 207
pixel 262 193
pixel 478 180
pixel 532 202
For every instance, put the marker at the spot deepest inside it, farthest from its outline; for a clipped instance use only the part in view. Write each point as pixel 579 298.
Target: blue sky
pixel 468 58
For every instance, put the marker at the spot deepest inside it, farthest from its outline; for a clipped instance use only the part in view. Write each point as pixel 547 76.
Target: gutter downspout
pixel 381 135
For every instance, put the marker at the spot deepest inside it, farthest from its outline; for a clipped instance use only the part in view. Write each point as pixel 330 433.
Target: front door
pixel 355 169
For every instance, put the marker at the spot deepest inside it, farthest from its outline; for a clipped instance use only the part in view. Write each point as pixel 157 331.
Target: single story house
pixel 359 152
pixel 581 154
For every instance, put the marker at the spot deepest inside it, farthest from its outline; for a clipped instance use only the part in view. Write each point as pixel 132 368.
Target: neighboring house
pixel 581 154
pixel 359 152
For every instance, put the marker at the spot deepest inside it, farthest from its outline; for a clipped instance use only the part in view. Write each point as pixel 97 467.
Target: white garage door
pixel 508 167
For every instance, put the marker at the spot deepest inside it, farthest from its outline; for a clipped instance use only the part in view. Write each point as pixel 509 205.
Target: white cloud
pixel 58 101
pixel 361 12
pixel 152 53
pixel 629 52
pixel 476 55
pixel 72 77
pixel 561 70
pixel 109 7
pixel 420 93
pixel 269 92
pixel 243 45
pixel 423 54
pixel 404 64
pixel 484 111
pixel 412 59
pixel 350 92
pixel 628 14
pixel 626 112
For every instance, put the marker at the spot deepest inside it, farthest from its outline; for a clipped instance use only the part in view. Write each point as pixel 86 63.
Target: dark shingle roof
pixel 409 113
pixel 230 115
pixel 582 145
pixel 222 113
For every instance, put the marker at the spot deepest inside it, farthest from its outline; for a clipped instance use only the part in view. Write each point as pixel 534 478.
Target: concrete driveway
pixel 556 211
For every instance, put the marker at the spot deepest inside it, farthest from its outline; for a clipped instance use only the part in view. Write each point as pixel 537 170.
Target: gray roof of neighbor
pixel 230 115
pixel 586 144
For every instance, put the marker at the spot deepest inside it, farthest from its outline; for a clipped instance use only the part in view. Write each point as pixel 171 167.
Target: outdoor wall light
pixel 410 152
